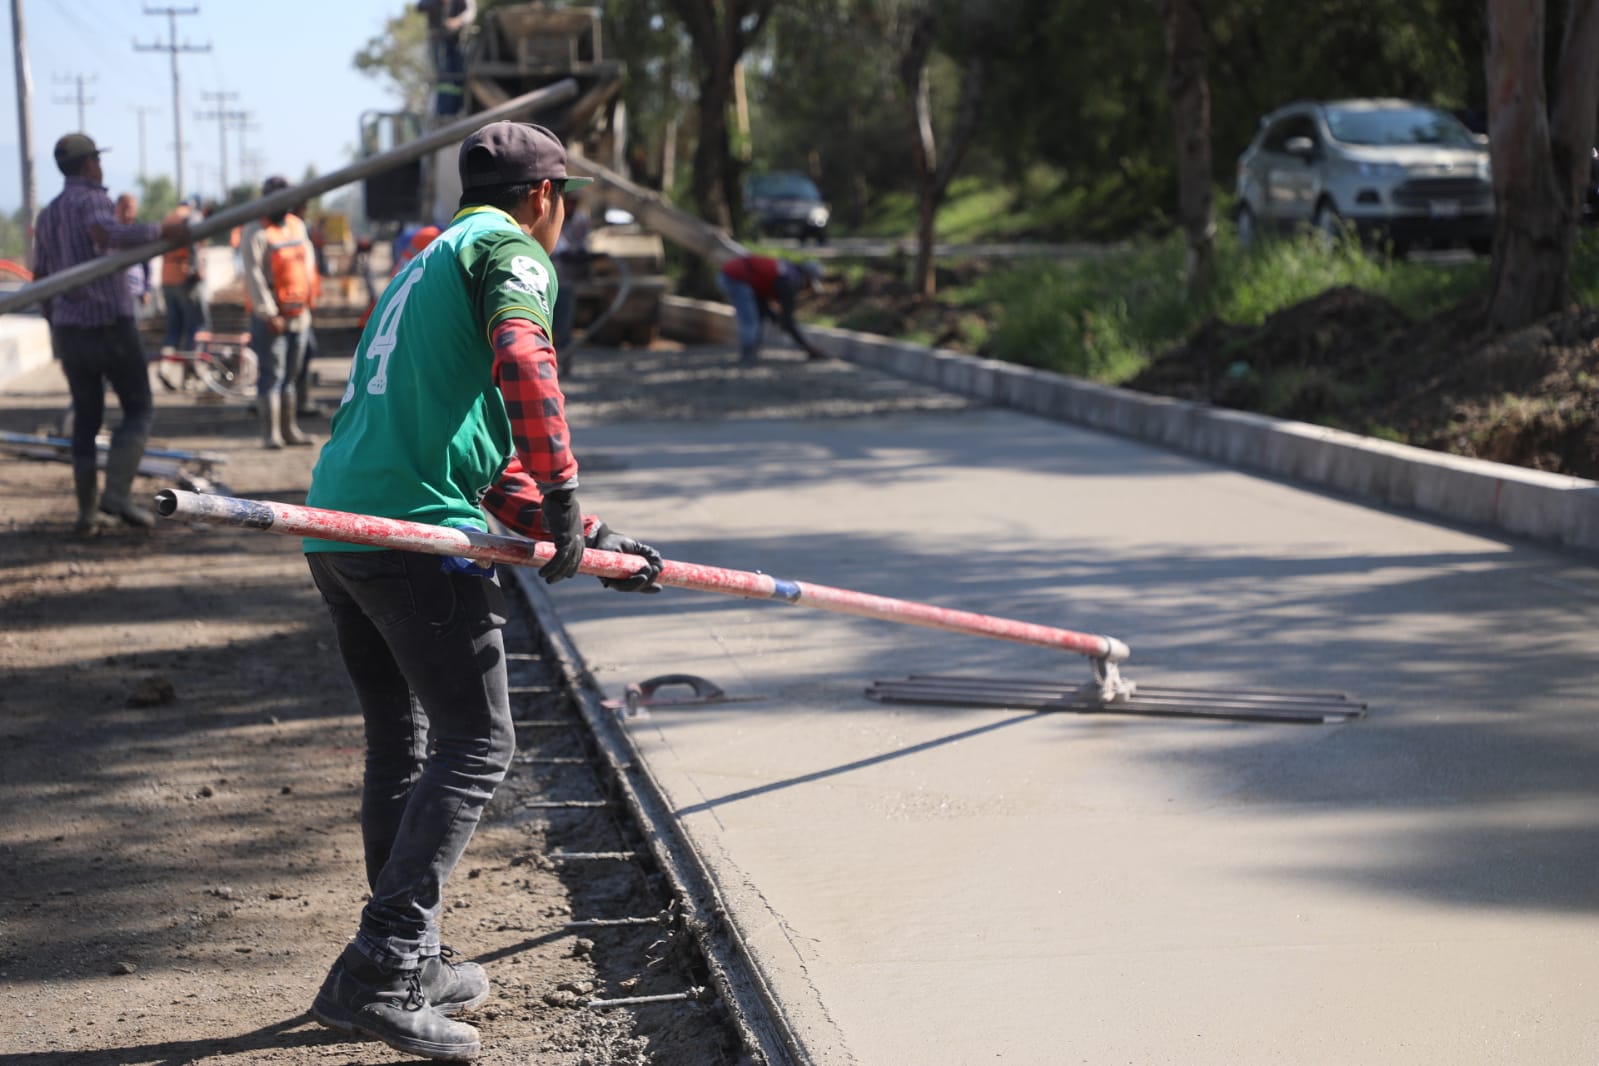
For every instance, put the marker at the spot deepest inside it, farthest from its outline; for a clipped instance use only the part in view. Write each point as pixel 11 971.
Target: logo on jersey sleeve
pixel 529 277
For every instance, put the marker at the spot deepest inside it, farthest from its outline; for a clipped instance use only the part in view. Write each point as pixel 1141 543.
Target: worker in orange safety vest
pixel 281 285
pixel 181 277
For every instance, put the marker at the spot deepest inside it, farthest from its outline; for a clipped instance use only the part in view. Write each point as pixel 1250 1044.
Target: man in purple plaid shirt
pixel 93 331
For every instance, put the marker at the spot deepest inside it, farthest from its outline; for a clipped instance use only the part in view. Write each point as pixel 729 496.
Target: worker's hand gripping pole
pixel 347 528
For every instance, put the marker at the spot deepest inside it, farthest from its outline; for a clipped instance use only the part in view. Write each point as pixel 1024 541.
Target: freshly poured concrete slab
pixel 953 886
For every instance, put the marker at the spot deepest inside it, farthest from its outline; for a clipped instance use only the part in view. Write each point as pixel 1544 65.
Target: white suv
pixel 1397 171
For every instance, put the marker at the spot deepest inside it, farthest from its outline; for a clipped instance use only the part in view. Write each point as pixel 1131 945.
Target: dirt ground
pixel 180 762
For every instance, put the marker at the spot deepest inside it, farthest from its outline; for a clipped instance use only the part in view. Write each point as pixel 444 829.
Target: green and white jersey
pixel 423 432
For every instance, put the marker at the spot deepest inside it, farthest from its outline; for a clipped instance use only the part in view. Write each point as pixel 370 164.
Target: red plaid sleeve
pixel 524 371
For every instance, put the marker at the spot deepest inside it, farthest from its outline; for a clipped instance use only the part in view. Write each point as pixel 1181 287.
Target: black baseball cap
pixel 76 146
pixel 511 153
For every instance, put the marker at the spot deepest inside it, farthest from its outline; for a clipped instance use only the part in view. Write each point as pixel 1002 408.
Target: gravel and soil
pixel 1352 360
pixel 180 761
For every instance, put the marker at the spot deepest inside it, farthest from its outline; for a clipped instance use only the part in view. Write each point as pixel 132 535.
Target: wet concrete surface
pixel 943 886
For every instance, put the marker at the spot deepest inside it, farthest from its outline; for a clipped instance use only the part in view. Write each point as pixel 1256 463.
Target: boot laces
pixel 414 999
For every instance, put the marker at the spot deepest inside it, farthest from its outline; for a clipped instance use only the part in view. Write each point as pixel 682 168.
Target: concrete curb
pixel 1528 503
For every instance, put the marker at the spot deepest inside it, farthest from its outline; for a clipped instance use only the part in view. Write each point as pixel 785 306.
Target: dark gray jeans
pixel 425 653
pixel 278 356
pixel 93 357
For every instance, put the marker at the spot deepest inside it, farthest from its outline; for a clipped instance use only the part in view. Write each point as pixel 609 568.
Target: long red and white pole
pixel 347 528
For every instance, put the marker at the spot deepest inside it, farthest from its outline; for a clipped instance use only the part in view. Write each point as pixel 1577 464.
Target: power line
pixel 249 162
pixel 224 117
pixel 141 110
pixel 78 98
pixel 173 48
pixel 93 35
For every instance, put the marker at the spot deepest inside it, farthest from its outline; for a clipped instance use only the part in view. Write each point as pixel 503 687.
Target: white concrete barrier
pixel 24 346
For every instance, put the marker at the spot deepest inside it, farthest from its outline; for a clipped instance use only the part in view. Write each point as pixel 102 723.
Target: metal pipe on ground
pixel 341 526
pixel 224 220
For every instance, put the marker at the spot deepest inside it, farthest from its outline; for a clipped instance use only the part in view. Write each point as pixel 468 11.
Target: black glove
pixel 607 540
pixel 563 520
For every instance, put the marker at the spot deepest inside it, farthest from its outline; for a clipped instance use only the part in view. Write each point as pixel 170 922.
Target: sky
pixel 290 62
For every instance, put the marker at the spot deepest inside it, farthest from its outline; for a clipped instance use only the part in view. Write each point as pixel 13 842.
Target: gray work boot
pixel 453 987
pixel 359 996
pixel 86 485
pixel 271 406
pixel 120 467
pixel 287 424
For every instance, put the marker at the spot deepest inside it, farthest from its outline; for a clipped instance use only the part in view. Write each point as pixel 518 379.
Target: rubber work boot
pixel 271 406
pixel 359 996
pixel 289 427
pixel 120 466
pixel 453 987
pixel 86 485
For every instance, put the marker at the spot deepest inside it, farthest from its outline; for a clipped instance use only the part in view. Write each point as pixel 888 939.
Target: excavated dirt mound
pixel 1530 398
pixel 1313 353
pixel 1352 360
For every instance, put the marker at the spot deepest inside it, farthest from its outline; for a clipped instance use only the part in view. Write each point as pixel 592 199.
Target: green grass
pixel 978 210
pixel 1105 318
pixel 1585 267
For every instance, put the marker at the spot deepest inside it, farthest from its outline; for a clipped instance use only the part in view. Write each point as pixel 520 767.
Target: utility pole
pixel 141 110
pixel 247 162
pixel 79 99
pixel 222 116
pixel 30 191
pixel 172 47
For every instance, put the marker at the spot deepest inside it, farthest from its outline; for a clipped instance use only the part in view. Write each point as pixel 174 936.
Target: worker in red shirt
pixel 753 283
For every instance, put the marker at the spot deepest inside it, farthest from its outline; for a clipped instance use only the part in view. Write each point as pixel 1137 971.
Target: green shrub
pixel 1097 318
pixel 1585 267
pixel 1105 317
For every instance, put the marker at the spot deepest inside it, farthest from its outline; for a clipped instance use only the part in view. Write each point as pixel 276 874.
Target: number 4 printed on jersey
pixel 387 337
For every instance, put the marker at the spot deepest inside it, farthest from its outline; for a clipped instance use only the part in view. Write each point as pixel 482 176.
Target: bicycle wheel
pixel 230 372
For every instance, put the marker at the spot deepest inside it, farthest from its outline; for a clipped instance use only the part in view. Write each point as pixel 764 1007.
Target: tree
pixel 822 101
pixel 920 24
pixel 157 197
pixel 656 53
pixel 400 56
pixel 1540 153
pixel 14 235
pixel 1081 99
pixel 720 39
pixel 1189 89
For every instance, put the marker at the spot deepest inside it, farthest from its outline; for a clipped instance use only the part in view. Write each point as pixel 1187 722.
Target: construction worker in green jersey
pixel 453 409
